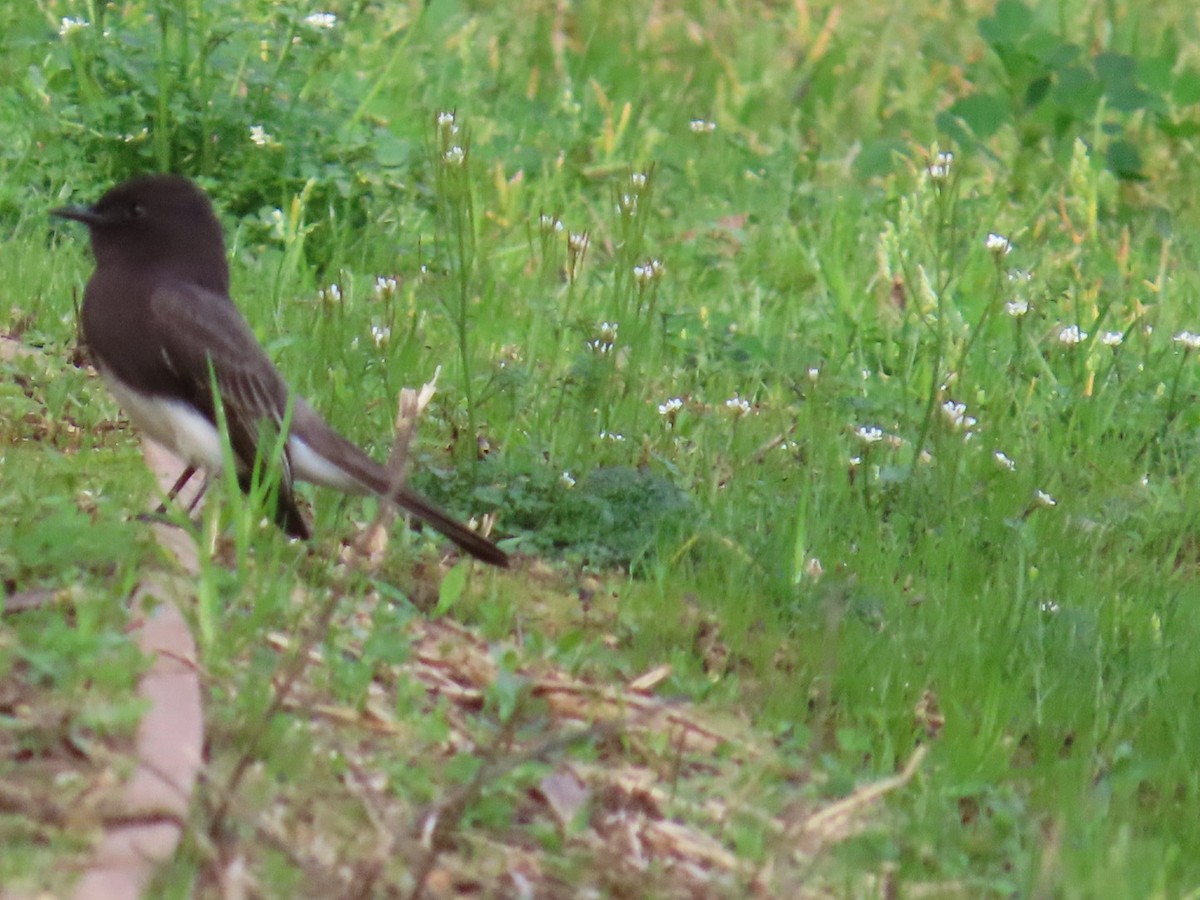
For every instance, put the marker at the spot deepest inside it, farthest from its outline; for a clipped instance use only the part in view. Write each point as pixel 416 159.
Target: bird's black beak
pixel 84 214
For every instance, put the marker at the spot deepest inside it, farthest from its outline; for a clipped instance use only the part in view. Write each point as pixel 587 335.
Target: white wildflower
pixel 1016 308
pixel 738 406
pixel 939 169
pixel 1188 339
pixel 386 285
pixel 813 568
pixel 869 434
pixel 702 126
pixel 956 415
pixel 69 25
pixel 321 20
pixel 260 137
pixel 578 242
pixel 998 244
pixel 1112 338
pixel 649 271
pixel 1003 461
pixel 549 223
pixel 455 156
pixel 1045 499
pixel 671 407
pixel 638 180
pixel 606 338
pixel 1072 335
pixel 567 479
pixel 331 294
pixel 381 335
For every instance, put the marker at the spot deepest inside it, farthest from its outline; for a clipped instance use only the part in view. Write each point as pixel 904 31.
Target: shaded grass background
pixel 802 235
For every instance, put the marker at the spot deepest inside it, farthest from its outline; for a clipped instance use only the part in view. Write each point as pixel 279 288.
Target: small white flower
pixel 259 136
pixel 606 338
pixel 331 294
pixel 649 271
pixel 386 285
pixel 939 169
pixel 1045 499
pixel 627 205
pixel 1049 606
pixel 1016 308
pixel 549 223
pixel 278 223
pixel 455 156
pixel 1072 335
pixel 567 479
pixel 1003 461
pixel 69 25
pixel 1188 339
pixel 321 20
pixel 702 126
pixel 610 436
pixel 814 373
pixel 869 434
pixel 577 242
pixel 956 415
pixel 998 244
pixel 813 568
pixel 738 406
pixel 381 335
pixel 671 407
pixel 447 128
pixel 638 180
pixel 1112 338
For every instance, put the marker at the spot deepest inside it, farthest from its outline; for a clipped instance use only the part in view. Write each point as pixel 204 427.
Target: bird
pixel 163 331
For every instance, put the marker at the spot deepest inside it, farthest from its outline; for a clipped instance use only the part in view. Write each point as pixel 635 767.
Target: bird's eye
pixel 136 210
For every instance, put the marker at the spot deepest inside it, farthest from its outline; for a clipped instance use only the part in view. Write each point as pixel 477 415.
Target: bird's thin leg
pixel 184 477
pixel 191 507
pixel 160 513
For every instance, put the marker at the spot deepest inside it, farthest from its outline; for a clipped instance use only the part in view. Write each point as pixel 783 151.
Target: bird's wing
pixel 205 338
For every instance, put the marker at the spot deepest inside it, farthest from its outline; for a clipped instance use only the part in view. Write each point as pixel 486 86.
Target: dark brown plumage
pixel 161 327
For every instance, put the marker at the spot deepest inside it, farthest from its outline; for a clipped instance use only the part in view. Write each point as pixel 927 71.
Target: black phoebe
pixel 161 327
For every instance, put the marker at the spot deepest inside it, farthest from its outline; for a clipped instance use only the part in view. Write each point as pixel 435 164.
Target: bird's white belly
pixel 174 424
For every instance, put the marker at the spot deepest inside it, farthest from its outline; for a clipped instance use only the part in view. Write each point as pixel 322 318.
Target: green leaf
pixel 1155 74
pixel 452 588
pixel 1008 25
pixel 1187 88
pixel 982 113
pixel 1124 159
pixel 1077 89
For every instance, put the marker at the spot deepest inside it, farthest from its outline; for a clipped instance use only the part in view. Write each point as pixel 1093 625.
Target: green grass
pixel 810 265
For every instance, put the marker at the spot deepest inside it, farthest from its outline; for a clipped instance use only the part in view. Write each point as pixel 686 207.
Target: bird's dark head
pixel 155 221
